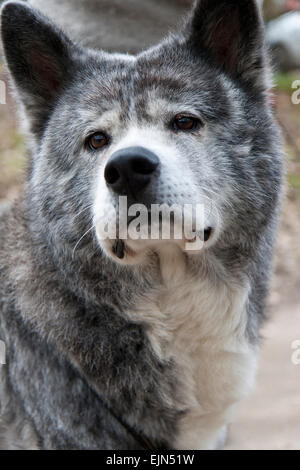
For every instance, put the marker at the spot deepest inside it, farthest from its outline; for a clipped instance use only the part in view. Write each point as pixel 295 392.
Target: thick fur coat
pixel 156 350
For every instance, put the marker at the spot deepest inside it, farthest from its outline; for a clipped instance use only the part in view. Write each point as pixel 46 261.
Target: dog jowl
pixel 162 340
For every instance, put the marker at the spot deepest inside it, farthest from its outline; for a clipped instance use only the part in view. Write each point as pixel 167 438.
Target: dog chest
pixel 201 326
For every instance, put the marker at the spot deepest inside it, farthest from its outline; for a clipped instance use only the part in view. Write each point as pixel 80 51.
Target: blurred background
pixel 270 419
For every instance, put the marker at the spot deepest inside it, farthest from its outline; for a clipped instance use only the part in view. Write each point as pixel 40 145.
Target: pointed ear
pixel 230 35
pixel 39 57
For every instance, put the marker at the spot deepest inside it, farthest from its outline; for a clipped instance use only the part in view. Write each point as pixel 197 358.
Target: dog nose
pixel 130 170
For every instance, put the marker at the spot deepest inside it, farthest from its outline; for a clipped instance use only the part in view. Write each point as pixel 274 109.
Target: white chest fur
pixel 200 325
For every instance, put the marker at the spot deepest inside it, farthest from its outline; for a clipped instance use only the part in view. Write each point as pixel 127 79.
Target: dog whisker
pixel 80 240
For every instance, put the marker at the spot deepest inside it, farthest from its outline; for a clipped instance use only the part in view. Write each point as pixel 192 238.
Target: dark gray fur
pixel 72 355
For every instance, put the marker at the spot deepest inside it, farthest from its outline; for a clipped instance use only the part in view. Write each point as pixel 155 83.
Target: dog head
pixel 182 125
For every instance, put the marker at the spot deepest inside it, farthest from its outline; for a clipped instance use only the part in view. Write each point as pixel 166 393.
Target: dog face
pixel 184 123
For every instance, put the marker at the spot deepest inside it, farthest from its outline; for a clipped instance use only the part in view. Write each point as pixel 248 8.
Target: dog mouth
pixel 120 248
pixel 207 233
pixel 131 238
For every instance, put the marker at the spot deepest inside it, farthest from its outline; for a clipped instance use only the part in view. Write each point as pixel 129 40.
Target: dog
pixel 124 343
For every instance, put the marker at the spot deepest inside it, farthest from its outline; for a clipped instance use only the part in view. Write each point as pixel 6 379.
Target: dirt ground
pixel 270 418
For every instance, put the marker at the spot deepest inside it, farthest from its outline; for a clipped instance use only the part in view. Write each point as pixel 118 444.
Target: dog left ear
pixel 40 59
pixel 230 35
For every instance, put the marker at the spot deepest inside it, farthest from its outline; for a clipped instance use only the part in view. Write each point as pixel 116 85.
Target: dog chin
pixel 133 252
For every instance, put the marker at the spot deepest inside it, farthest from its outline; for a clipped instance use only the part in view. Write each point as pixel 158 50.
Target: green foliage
pixel 294 180
pixel 284 81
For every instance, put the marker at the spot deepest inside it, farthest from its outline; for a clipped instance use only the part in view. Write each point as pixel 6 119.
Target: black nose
pixel 130 170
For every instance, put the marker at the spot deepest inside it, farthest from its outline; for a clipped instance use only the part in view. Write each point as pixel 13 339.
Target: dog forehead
pixel 121 97
pixel 126 89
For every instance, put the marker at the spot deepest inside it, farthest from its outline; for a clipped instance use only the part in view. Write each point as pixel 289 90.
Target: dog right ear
pixel 40 59
pixel 230 35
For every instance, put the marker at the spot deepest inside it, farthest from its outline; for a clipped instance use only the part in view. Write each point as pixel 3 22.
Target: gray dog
pixel 116 343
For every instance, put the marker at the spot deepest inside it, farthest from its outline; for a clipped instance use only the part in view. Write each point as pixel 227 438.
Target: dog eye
pixel 97 141
pixel 186 123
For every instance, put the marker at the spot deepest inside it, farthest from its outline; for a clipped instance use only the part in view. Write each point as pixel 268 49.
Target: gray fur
pixel 75 363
